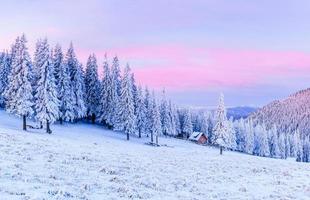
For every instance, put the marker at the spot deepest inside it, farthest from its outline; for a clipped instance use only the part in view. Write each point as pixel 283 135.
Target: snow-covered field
pixel 84 161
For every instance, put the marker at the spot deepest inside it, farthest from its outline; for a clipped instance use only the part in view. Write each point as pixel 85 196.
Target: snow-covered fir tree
pixel 164 114
pixel 282 146
pixel 221 128
pixel 63 82
pixel 77 83
pixel 148 109
pixel 173 118
pixel 156 128
pixel 18 94
pixel 127 112
pixel 249 137
pixel 274 142
pixel 140 112
pixel 106 100
pixel 5 69
pixel 46 101
pixel 239 127
pixel 187 127
pixel 299 149
pixel 92 87
pixel 306 149
pixel 175 113
pixel 231 135
pixel 261 147
pixel 115 94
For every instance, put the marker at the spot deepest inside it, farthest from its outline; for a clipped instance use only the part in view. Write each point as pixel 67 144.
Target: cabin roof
pixel 195 136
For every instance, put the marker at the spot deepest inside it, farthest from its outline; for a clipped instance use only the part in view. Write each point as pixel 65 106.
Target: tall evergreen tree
pixel 261 145
pixel 299 149
pixel 140 112
pixel 165 118
pixel 221 128
pixel 148 108
pixel 115 94
pixel 19 91
pixel 64 86
pixel 156 129
pixel 5 69
pixel 282 146
pixel 127 114
pixel 187 127
pixel 57 59
pixel 77 83
pixel 274 143
pixel 249 137
pixel 92 87
pixel 173 119
pixel 47 103
pixel 106 101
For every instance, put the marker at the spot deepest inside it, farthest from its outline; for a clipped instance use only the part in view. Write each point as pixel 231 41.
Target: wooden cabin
pixel 198 137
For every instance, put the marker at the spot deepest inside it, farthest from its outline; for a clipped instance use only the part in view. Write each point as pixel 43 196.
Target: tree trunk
pixel 60 120
pixel 127 136
pixel 157 139
pixel 41 125
pixel 24 123
pixel 152 140
pixel 93 118
pixel 48 130
pixel 221 150
pixel 139 133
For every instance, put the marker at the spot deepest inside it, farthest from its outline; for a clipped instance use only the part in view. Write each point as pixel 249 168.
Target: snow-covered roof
pixel 195 136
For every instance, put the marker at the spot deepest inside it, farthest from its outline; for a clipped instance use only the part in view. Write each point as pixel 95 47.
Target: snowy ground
pixel 87 162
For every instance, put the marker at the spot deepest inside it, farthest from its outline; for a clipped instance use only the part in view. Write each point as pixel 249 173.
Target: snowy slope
pixel 290 113
pixel 88 162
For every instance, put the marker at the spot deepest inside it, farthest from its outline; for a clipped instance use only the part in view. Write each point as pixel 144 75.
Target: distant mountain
pixel 240 112
pixel 288 114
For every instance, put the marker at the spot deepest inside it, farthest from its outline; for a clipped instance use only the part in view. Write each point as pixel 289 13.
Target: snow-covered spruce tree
pixel 274 143
pixel 177 120
pixel 261 147
pixel 39 59
pixel 92 87
pixel 156 129
pixel 164 114
pixel 187 127
pixel 134 91
pixel 148 111
pixel 239 127
pixel 281 146
pixel 19 91
pixel 306 150
pixel 106 106
pixel 299 149
pixel 115 94
pixel 221 128
pixel 63 80
pixel 58 62
pixel 173 119
pixel 77 83
pixel 249 137
pixel 210 122
pixel 127 112
pixel 231 136
pixel 46 103
pixel 5 69
pixel 141 112
pixel 287 146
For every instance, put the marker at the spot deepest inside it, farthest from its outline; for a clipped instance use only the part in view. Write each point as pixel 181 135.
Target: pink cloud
pixel 185 67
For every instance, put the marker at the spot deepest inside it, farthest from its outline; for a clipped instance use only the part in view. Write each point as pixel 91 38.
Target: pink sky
pixel 252 51
pixel 183 67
